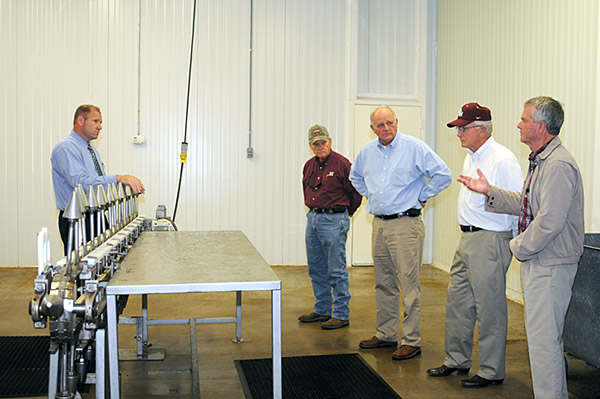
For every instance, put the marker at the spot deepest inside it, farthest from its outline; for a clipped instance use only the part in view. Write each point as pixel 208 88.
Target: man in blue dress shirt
pixel 75 161
pixel 392 172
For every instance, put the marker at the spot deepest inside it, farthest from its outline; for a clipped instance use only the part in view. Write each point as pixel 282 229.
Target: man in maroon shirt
pixel 331 200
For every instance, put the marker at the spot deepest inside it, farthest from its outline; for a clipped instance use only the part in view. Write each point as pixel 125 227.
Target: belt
pixel 411 212
pixel 333 209
pixel 466 229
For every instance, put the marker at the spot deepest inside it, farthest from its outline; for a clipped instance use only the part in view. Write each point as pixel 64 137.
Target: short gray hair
pixel 487 124
pixel 548 110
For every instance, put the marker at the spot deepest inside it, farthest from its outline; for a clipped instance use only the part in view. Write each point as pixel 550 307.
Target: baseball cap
pixel 316 133
pixel 471 112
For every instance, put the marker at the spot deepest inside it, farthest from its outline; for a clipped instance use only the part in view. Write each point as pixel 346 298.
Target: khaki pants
pixel 397 255
pixel 477 293
pixel 547 293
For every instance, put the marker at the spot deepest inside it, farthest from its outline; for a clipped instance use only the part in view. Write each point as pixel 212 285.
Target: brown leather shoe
pixel 375 342
pixel 334 323
pixel 312 317
pixel 406 352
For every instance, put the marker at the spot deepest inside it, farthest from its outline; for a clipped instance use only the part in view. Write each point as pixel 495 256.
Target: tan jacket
pixel 555 236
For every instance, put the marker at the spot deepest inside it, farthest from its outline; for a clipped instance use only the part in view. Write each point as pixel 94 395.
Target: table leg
pixel 238 316
pixel 113 347
pixel 144 342
pixel 101 363
pixel 276 326
pixel 195 368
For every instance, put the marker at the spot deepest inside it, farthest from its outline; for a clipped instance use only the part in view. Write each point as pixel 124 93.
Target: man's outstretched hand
pixel 479 185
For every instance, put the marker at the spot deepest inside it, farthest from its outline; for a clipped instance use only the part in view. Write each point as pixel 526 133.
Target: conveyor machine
pixel 69 297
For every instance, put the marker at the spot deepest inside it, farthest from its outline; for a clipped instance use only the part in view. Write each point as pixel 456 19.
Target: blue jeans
pixel 326 253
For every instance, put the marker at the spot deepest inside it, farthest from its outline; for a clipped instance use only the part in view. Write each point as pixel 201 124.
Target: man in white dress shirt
pixel 477 288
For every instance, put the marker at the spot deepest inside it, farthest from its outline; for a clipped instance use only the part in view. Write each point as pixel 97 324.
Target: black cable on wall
pixel 184 144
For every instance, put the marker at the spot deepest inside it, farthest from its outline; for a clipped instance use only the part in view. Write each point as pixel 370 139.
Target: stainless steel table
pixel 190 262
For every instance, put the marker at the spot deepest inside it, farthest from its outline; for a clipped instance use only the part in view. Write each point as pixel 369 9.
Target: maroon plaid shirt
pixel 526 215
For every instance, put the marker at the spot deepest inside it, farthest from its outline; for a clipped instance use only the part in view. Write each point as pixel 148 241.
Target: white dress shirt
pixel 501 167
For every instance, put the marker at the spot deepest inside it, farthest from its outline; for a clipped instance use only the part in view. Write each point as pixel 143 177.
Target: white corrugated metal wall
pixel 63 53
pixel 500 53
pixel 60 53
pixel 8 139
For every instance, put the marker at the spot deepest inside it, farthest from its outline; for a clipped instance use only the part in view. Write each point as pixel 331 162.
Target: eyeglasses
pixel 463 129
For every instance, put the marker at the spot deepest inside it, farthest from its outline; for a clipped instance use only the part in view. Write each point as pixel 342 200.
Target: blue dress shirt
pixel 72 164
pixel 394 177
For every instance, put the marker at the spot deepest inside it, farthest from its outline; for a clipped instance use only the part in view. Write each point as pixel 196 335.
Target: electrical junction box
pixel 138 139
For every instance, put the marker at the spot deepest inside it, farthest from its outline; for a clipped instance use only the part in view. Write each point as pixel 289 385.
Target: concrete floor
pixel 216 351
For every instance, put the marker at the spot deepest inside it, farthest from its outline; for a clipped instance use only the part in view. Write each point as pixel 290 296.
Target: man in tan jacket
pixel 550 240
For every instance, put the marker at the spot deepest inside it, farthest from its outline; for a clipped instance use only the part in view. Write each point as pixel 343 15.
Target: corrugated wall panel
pixel 59 65
pixel 315 85
pixel 265 197
pixel 9 204
pixel 71 52
pixel 594 192
pixel 166 29
pixel 120 111
pixel 500 54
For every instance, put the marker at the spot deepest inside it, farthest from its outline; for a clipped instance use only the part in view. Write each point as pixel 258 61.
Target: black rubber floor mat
pixel 345 376
pixel 24 363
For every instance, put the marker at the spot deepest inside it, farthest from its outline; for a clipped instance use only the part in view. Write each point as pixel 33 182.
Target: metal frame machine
pixel 69 297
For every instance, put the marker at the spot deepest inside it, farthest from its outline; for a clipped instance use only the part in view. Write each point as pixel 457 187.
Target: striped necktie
pixel 96 164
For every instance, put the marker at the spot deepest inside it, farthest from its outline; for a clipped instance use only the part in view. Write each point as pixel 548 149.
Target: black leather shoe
pixel 445 371
pixel 479 382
